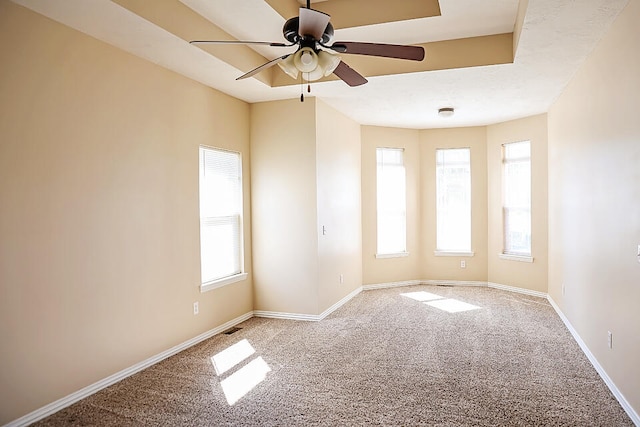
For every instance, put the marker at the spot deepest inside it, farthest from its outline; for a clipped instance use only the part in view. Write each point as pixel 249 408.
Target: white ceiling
pixel 557 36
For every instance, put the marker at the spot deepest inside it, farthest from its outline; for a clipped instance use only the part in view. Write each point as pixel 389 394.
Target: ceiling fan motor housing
pixel 327 36
pixel 291 27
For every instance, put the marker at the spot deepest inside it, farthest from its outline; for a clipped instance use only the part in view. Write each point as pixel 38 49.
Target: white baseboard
pixel 62 403
pixel 454 282
pixel 307 317
pixel 517 290
pixel 340 303
pixel 618 395
pixel 286 316
pixel 391 285
pixel 93 388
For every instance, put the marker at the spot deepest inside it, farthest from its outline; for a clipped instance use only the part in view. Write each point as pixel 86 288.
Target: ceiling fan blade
pixel 263 67
pixel 349 75
pixel 273 44
pixel 413 53
pixel 312 23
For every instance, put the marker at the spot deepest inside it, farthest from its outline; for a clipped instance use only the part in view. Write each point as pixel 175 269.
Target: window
pixel 453 200
pixel 391 202
pixel 516 179
pixel 221 251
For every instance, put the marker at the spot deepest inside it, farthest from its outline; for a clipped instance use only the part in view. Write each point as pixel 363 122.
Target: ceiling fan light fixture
pixel 327 62
pixel 314 75
pixel 446 111
pixel 312 65
pixel 306 60
pixel 289 67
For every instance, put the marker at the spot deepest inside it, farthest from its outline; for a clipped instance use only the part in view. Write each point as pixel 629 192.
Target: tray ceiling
pixel 493 60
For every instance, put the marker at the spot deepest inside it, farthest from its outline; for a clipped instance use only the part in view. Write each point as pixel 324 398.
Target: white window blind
pixel 220 214
pixel 391 201
pixel 453 200
pixel 517 198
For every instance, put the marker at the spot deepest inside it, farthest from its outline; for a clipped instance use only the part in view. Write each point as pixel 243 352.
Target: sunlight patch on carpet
pixel 232 356
pixel 244 380
pixel 434 300
pixel 452 305
pixel 421 296
pixel 237 380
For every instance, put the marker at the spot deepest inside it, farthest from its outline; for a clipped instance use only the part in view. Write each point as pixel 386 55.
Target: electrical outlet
pixel 196 309
pixel 342 278
pixel 609 339
pixel 463 264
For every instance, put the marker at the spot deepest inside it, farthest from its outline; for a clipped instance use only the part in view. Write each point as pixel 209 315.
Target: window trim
pixel 392 255
pixel 454 253
pixel 242 275
pixel 461 251
pixel 511 255
pixel 404 252
pixel 219 283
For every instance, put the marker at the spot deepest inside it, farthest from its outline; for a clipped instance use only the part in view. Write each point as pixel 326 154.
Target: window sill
pixel 209 286
pixel 519 258
pixel 396 255
pixel 452 253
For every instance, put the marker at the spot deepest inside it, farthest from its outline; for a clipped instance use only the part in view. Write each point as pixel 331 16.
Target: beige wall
pixel 284 193
pixel 448 268
pixel 384 270
pixel 594 202
pixel 305 160
pixel 339 210
pixel 486 209
pixel 99 246
pixel 532 276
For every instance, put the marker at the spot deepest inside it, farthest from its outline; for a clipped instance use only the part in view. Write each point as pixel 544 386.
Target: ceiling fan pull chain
pixel 308 83
pixel 301 88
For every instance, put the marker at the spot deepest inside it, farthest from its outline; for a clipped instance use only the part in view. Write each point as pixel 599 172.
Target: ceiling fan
pixel 317 53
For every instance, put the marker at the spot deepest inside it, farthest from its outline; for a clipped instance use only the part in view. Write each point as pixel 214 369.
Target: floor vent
pixel 232 330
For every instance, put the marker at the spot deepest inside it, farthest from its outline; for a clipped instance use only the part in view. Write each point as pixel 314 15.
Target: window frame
pixel 521 256
pixel 462 252
pixel 218 282
pixel 401 212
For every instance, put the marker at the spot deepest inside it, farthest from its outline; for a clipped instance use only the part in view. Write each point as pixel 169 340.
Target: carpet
pixel 412 356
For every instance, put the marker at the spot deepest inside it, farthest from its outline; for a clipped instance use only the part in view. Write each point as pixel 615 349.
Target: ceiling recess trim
pixel 442 55
pixel 349 14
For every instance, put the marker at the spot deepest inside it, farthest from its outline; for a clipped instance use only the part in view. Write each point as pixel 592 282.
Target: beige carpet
pixel 392 357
